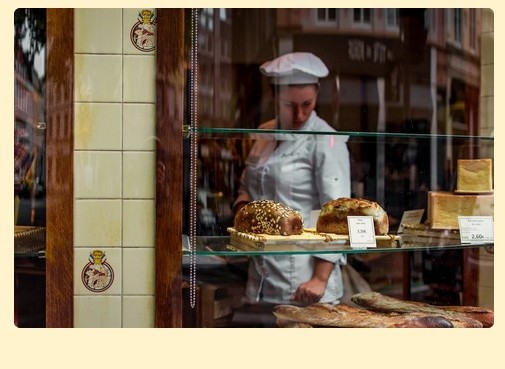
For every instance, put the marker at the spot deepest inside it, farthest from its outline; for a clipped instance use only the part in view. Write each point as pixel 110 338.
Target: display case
pixel 410 90
pixel 408 94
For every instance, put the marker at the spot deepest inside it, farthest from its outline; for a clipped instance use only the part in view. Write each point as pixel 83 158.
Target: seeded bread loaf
pixel 333 216
pixel 268 217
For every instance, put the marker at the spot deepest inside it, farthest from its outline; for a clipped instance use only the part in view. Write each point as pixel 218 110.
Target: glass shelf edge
pixel 245 131
pixel 216 249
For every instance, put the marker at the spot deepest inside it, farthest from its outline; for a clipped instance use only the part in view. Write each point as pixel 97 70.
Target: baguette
pixel 386 304
pixel 283 323
pixel 483 315
pixel 344 316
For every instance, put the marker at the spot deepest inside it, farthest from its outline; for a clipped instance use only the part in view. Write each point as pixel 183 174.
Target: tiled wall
pixel 487 73
pixel 486 257
pixel 114 173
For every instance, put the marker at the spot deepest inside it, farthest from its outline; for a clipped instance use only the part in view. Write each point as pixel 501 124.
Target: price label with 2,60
pixel 476 229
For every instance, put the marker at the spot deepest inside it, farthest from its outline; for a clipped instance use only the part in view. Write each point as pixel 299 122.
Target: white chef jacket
pixel 303 172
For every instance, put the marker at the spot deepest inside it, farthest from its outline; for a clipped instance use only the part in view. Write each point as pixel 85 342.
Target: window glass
pixel 29 167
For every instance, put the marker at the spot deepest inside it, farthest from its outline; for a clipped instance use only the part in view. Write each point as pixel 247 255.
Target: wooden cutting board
pixel 421 235
pixel 309 239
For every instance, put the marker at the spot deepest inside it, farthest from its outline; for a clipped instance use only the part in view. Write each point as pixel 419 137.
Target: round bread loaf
pixel 268 217
pixel 333 216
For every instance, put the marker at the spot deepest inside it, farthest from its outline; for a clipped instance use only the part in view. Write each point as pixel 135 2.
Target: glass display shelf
pixel 234 132
pixel 222 246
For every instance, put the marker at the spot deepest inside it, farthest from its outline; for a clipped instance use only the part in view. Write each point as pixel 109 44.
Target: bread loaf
pixel 344 316
pixel 475 175
pixel 268 217
pixel 483 315
pixel 445 207
pixel 387 304
pixel 333 216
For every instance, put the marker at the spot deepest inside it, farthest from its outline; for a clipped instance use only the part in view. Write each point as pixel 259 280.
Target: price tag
pixel 361 231
pixel 411 217
pixel 476 229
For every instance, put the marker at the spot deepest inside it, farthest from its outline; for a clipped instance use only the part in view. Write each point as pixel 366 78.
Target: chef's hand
pixel 310 292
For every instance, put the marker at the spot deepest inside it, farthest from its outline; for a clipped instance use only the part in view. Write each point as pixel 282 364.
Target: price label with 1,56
pixel 476 229
pixel 361 231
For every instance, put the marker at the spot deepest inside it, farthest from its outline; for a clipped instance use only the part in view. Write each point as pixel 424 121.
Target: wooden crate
pixel 214 302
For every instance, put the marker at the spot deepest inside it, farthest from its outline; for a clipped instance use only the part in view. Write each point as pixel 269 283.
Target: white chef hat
pixel 294 69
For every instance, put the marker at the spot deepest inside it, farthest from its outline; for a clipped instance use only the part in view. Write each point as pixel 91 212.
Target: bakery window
pixel 410 126
pixel 29 167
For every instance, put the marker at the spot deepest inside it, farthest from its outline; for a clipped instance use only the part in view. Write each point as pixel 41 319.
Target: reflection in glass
pixel 402 76
pixel 29 115
pixel 405 85
pixel 29 167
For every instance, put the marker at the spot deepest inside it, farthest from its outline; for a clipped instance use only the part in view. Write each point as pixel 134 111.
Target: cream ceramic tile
pixel 139 126
pixel 138 271
pixel 98 78
pixel 138 311
pixel 487 80
pixel 487 111
pixel 98 31
pixel 97 312
pixel 139 175
pixel 139 82
pixel 487 48
pixel 487 20
pixel 97 174
pixel 98 126
pixel 486 254
pixel 138 223
pixel 486 297
pixel 97 222
pixel 138 33
pixel 486 273
pixel 100 276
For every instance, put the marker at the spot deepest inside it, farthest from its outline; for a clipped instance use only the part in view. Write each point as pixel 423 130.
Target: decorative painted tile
pixel 139 127
pixel 139 31
pixel 139 87
pixel 97 271
pixel 97 222
pixel 138 311
pixel 138 271
pixel 98 31
pixel 139 165
pixel 98 78
pixel 97 174
pixel 139 223
pixel 97 311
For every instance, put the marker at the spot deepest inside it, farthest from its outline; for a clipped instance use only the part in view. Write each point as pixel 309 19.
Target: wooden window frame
pixel 60 184
pixel 169 157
